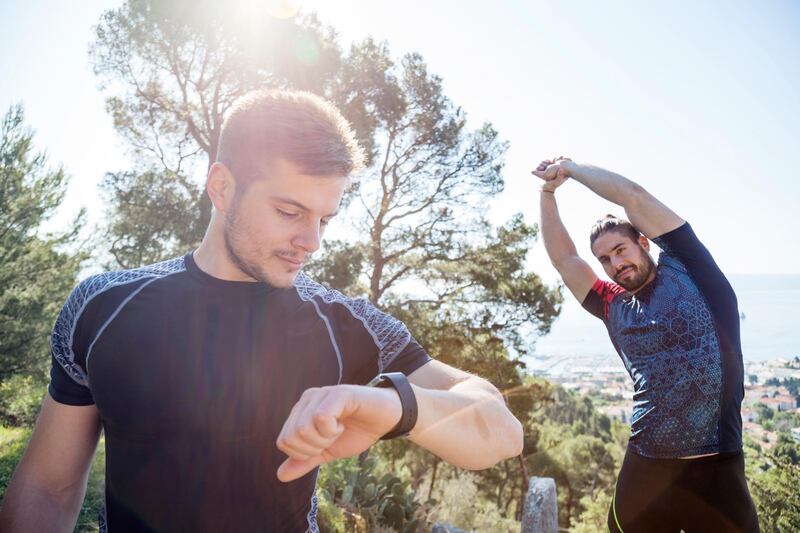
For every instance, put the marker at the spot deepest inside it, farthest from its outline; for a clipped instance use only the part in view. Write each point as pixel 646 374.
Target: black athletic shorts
pixel 707 494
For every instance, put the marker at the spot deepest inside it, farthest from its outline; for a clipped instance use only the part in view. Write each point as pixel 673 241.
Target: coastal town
pixel 771 401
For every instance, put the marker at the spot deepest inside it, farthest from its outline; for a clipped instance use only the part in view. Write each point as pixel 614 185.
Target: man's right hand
pixel 554 172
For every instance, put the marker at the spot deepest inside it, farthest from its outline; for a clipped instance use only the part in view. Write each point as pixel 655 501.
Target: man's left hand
pixel 334 422
pixel 557 169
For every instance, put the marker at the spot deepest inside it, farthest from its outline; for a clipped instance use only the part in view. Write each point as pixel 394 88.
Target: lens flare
pixel 282 9
pixel 306 49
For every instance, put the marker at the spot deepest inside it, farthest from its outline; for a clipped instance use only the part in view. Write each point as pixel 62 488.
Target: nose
pixel 617 263
pixel 309 237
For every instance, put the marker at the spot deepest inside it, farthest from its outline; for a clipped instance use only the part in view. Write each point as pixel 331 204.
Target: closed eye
pixel 286 214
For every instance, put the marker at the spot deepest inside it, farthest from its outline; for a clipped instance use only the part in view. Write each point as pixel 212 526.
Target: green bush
pixel 95 492
pixel 595 515
pixel 460 504
pixel 367 500
pixel 776 496
pixel 12 446
pixel 20 398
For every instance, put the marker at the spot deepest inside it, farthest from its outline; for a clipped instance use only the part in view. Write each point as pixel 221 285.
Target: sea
pixel 769 307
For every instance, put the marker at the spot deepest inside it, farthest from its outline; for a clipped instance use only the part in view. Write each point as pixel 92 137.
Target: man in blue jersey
pixel 675 324
pixel 222 379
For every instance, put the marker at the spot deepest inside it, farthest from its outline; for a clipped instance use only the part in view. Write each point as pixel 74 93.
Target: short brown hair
pixel 294 125
pixel 613 223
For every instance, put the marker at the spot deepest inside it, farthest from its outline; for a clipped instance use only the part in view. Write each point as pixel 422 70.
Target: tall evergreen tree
pixel 37 270
pixel 421 246
pixel 172 69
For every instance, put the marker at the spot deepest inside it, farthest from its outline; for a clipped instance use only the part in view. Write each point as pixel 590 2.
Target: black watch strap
pixel 408 401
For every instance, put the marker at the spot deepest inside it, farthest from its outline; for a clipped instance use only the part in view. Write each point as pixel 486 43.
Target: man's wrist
pixel 408 402
pixel 569 165
pixel 549 191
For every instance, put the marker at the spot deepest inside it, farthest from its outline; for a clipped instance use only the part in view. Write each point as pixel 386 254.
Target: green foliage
pixel 37 271
pixel 787 450
pixel 12 445
pixel 94 500
pixel 20 398
pixel 368 498
pixel 460 504
pixel 340 266
pixel 791 384
pixel 776 496
pixel 764 412
pixel 172 70
pixel 784 421
pixel 425 251
pixel 155 216
pixel 566 439
pixel 577 411
pixel 594 518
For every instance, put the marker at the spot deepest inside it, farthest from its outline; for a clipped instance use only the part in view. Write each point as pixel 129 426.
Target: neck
pixel 647 282
pixel 212 257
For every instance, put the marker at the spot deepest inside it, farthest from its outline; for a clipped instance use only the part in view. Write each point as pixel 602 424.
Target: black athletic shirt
pixel 679 339
pixel 193 378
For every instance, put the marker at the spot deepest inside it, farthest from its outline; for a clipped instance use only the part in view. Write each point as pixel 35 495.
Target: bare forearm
pixel 609 185
pixel 557 242
pixel 468 426
pixel 32 509
pixel 645 211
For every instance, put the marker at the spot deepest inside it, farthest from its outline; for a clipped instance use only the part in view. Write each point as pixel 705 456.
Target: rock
pixel 540 514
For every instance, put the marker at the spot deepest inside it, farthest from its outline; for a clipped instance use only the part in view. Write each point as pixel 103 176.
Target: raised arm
pixel 578 276
pixel 48 486
pixel 644 210
pixel 461 418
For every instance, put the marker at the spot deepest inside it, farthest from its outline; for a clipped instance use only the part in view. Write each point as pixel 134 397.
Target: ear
pixel 220 186
pixel 644 242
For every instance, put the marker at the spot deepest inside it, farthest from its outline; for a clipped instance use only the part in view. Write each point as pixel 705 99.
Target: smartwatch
pixel 408 402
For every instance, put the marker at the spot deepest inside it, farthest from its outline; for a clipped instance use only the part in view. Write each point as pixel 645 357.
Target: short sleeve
pixel 410 358
pixel 683 245
pixel 374 342
pixel 68 379
pixel 64 389
pixel 368 340
pixel 598 301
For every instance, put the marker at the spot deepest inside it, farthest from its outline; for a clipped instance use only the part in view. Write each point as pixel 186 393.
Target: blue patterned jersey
pixel 679 340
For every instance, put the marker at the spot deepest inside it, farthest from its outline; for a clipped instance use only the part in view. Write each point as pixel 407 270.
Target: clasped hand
pixel 334 422
pixel 554 172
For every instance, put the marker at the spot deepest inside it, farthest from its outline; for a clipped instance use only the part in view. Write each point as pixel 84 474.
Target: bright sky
pixel 697 101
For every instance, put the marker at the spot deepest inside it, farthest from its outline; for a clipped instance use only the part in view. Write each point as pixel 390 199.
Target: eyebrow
pixel 614 248
pixel 284 200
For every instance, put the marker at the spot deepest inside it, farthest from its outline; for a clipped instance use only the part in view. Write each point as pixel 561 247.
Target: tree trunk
pixel 433 478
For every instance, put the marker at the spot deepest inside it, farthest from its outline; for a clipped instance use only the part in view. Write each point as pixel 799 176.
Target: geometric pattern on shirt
pixel 673 354
pixel 390 335
pixel 85 292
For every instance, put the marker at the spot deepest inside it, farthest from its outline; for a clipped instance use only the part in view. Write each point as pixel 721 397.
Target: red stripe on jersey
pixel 607 291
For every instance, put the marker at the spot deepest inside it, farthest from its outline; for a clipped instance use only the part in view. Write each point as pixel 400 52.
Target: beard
pixel 231 233
pixel 641 273
pixel 234 234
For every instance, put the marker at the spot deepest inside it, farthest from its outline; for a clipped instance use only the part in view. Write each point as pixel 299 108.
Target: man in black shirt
pixel 222 379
